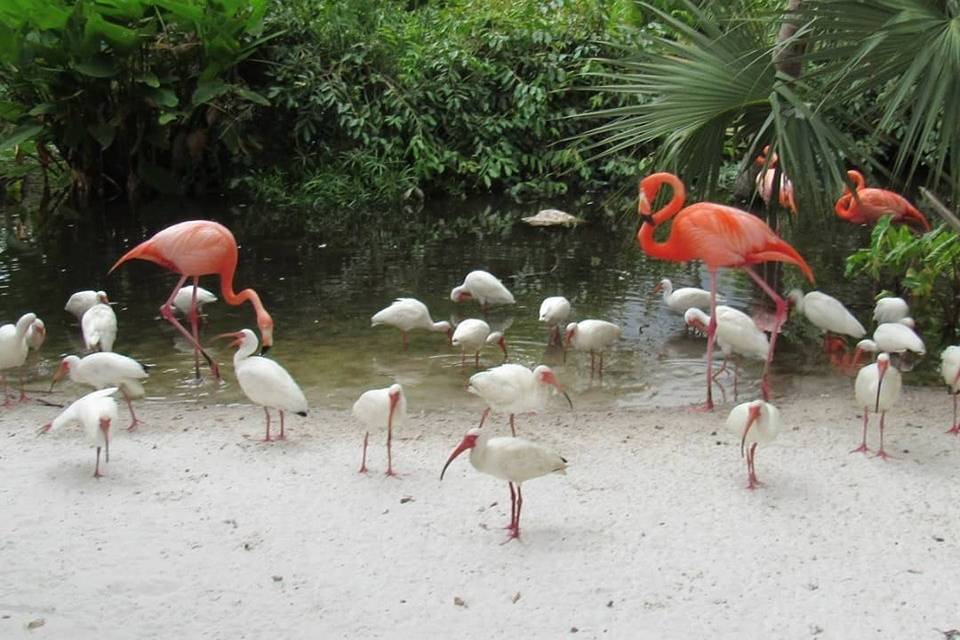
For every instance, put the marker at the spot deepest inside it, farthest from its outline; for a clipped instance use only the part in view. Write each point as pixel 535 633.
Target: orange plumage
pixel 867 205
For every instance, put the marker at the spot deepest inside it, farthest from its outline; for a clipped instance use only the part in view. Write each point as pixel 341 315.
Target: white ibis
pixel 36 335
pixel 408 314
pixel 376 408
pixel 877 388
pixel 472 334
pixel 594 336
pixel 756 423
pixel 890 310
pixel 14 350
pixel 513 389
pixel 96 412
pixel 106 369
pixel 896 338
pixel 554 311
pixel 736 333
pixel 679 300
pixel 99 325
pixel 183 300
pixel 950 370
pixel 80 301
pixel 264 381
pixel 483 287
pixel 827 314
pixel 512 459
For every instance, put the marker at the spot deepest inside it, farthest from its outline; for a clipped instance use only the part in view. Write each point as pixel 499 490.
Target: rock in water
pixel 551 218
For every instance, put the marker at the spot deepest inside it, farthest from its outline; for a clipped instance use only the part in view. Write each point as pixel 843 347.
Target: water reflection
pixel 322 292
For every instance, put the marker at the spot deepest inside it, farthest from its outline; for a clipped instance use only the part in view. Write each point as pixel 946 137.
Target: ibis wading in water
pixel 378 408
pixel 408 314
pixel 79 302
pixel 595 336
pixel 99 326
pixel 106 369
pixel 827 314
pixel 483 287
pixel 554 311
pixel 512 388
pixel 737 334
pixel 264 381
pixel 877 389
pixel 512 459
pixel 96 412
pixel 719 236
pixel 472 334
pixel 756 423
pixel 198 248
pixel 679 300
pixel 14 350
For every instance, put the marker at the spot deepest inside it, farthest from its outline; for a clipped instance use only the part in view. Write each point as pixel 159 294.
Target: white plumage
pixel 679 300
pixel 827 313
pixel 483 287
pixel 472 334
pixel 80 301
pixel 379 408
pixel 106 369
pixel 265 382
pixel 890 310
pixel 184 299
pixel 755 423
pixel 737 333
pixel 595 336
pixel 95 412
pixel 513 389
pixel 554 311
pixel 36 334
pixel 950 370
pixel 99 325
pixel 14 350
pixel 408 314
pixel 515 460
pixel 897 337
pixel 877 389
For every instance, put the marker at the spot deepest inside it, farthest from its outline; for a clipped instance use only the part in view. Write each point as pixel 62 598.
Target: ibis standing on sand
pixel 99 325
pixel 512 459
pixel 96 412
pixel 408 314
pixel 106 369
pixel 483 287
pixel 379 407
pixel 950 370
pixel 554 311
pixel 197 248
pixel 897 338
pixel 512 389
pixel 14 350
pixel 756 423
pixel 79 302
pixel 264 381
pixel 737 333
pixel 679 300
pixel 877 388
pixel 471 334
pixel 827 314
pixel 594 336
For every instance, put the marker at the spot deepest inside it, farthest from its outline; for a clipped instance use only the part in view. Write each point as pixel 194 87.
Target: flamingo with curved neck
pixel 866 205
pixel 720 237
pixel 767 178
pixel 192 249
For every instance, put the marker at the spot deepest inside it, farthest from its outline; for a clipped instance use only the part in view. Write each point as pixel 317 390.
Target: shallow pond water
pixel 322 293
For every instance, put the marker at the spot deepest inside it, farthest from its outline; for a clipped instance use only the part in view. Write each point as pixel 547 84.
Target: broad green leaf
pixel 20 135
pixel 167 117
pixel 149 78
pixel 163 97
pixel 10 110
pixel 98 66
pixel 207 90
pixel 252 96
pixel 103 133
pixel 116 35
pixel 42 109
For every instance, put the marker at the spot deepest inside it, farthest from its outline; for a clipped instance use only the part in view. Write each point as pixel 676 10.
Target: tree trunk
pixel 787 58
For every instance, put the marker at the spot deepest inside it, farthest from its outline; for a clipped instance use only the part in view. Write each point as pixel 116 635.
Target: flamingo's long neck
pixel 235 298
pixel 666 250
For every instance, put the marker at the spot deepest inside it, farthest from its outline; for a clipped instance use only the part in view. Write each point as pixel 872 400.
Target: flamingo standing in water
pixel 554 311
pixel 867 205
pixel 766 177
pixel 756 422
pixel 376 408
pixel 264 381
pixel 720 236
pixel 512 459
pixel 197 248
pixel 950 370
pixel 878 386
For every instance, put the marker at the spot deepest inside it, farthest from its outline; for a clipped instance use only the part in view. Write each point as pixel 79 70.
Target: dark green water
pixel 322 292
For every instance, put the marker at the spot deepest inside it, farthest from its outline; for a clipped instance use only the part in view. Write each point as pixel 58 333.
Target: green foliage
pixel 925 268
pixel 454 97
pixel 131 94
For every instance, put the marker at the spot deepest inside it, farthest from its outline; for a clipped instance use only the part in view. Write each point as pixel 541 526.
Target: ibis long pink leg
pixel 955 429
pixel 363 461
pixel 267 438
pixel 781 316
pixel 513 428
pixel 863 444
pixel 167 312
pixel 283 436
pixel 133 416
pixel 483 417
pixel 516 524
pixel 6 392
pixel 23 394
pixel 390 471
pixel 513 508
pixel 96 470
pixel 880 452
